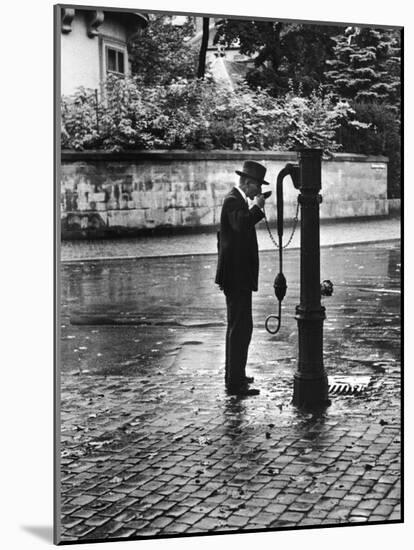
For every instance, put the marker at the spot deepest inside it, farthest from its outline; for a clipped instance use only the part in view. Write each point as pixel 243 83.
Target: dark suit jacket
pixel 238 256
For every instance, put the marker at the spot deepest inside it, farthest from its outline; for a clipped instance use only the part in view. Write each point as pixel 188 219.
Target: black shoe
pixel 242 390
pixel 249 379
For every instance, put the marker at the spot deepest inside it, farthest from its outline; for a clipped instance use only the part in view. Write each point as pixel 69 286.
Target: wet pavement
pixel 152 445
pixel 333 233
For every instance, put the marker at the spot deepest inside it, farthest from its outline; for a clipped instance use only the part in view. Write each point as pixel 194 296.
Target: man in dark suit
pixel 238 270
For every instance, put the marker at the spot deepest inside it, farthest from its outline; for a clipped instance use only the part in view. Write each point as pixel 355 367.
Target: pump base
pixel 310 393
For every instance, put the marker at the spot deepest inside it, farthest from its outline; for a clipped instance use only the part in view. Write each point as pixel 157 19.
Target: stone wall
pixel 116 193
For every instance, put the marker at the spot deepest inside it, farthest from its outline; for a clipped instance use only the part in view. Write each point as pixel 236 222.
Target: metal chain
pixel 295 223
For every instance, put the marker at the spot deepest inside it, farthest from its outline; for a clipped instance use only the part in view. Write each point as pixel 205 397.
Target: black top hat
pixel 253 170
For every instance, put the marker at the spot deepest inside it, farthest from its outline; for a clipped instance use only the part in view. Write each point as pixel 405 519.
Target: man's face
pixel 253 188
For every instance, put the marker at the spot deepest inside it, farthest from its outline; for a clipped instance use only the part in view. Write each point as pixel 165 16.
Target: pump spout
pixel 291 170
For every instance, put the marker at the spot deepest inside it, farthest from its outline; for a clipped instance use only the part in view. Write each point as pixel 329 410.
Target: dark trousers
pixel 238 336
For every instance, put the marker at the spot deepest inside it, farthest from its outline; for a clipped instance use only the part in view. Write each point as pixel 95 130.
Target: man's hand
pixel 259 201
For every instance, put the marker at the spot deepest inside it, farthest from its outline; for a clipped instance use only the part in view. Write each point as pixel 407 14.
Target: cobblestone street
pixel 151 445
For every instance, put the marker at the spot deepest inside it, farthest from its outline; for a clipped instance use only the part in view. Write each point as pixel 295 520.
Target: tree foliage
pixel 365 66
pixel 199 114
pixel 159 54
pixel 366 70
pixel 282 52
pixel 358 65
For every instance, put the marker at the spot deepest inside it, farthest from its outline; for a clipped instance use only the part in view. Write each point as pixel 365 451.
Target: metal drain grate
pixel 348 385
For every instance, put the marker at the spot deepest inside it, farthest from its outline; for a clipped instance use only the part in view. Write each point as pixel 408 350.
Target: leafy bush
pixel 198 114
pixel 79 121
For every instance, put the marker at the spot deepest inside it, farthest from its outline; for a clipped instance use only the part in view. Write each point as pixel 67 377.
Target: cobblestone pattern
pixel 171 453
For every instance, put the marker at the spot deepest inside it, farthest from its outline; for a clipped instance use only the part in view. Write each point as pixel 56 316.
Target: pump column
pixel 310 380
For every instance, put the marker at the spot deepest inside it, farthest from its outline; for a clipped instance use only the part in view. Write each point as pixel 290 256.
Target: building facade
pixel 93 44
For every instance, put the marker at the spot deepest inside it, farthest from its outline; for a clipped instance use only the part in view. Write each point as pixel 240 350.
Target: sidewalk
pixel 331 233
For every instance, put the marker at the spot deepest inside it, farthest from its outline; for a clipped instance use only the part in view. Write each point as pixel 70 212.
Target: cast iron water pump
pixel 310 379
